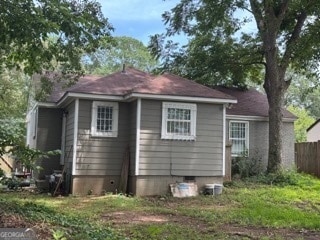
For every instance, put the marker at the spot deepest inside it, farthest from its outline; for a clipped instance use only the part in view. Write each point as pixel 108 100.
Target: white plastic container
pixel 218 189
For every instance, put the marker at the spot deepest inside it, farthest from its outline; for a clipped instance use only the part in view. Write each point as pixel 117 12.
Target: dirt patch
pixel 134 218
pixel 252 232
pixel 140 218
pixel 119 219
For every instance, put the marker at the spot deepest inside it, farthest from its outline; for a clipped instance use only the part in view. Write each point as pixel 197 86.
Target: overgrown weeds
pixel 67 225
pixel 246 166
pixel 255 206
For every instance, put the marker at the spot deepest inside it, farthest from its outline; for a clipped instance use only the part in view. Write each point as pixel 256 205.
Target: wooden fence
pixel 307 157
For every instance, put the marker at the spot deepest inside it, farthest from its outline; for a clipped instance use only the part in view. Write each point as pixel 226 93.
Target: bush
pixel 1 173
pixel 246 166
pixel 281 178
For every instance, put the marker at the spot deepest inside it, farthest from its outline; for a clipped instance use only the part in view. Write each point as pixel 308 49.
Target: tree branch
pixel 247 9
pixel 256 11
pixel 292 40
pixel 283 9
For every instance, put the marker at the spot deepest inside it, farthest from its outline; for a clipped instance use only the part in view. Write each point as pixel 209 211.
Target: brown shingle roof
pixel 170 84
pixel 116 84
pixel 135 81
pixel 250 103
pixel 58 90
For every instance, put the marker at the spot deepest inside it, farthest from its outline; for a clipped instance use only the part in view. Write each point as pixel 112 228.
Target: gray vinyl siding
pixel 101 155
pixel 259 142
pixel 133 134
pixel 202 157
pixel 70 109
pixel 49 138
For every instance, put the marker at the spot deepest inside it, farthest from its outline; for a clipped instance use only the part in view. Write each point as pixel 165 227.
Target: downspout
pixel 75 136
pixel 138 125
pixel 224 140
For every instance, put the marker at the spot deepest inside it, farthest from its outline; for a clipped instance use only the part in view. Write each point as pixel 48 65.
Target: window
pixel 239 136
pixel 104 119
pixel 179 121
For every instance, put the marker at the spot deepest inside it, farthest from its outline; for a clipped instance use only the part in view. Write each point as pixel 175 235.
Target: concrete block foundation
pixel 160 185
pixel 137 185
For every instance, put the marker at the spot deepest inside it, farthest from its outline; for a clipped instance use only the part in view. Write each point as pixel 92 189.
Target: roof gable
pixel 250 103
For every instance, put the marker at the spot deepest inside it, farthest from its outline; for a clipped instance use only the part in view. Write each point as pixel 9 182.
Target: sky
pixel 136 18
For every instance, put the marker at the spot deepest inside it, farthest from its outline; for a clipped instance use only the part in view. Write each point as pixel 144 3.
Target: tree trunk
pixel 275 99
pixel 275 87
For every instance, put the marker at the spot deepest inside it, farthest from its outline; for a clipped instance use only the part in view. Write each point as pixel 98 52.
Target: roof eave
pixel 46 104
pixel 256 118
pixel 315 123
pixel 64 99
pixel 69 95
pixel 180 98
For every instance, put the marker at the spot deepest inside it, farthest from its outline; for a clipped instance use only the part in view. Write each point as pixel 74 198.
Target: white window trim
pixel 193 120
pixel 115 116
pixel 247 136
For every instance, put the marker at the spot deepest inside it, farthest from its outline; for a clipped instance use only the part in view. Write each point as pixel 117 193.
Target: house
pixel 313 132
pixel 248 126
pixel 175 129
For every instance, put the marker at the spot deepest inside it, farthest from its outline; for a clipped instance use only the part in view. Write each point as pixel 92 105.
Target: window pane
pixel 179 127
pixel 104 119
pixel 98 125
pixel 186 128
pixel 187 114
pixel 171 113
pixel 176 121
pixel 238 146
pixel 238 130
pixel 238 137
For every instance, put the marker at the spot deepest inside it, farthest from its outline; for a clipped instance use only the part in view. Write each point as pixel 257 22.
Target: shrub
pixel 284 177
pixel 247 166
pixel 2 174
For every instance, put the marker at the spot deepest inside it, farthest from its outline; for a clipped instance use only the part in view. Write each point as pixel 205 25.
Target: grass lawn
pixel 245 210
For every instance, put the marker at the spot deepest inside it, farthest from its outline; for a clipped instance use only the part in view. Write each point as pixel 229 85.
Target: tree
pixel 304 93
pixel 302 123
pixel 125 50
pixel 14 88
pixel 36 35
pixel 286 34
pixel 12 142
